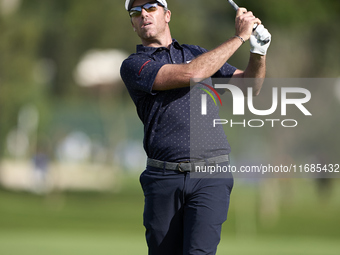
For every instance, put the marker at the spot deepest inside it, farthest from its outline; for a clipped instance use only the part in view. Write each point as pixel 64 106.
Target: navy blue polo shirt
pixel 166 114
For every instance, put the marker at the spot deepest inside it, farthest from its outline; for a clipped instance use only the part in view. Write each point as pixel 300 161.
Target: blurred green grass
pixel 56 243
pixel 111 223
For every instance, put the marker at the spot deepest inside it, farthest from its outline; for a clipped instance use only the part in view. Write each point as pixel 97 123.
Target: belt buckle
pixel 179 166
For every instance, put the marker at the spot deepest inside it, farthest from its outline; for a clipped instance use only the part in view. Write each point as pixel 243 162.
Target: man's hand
pixel 257 44
pixel 244 23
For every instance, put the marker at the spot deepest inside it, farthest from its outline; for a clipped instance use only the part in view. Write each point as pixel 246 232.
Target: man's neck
pixel 162 41
pixel 156 44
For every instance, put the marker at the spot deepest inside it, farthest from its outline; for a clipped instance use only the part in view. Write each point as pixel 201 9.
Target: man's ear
pixel 167 16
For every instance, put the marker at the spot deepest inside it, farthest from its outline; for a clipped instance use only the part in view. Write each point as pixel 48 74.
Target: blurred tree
pixel 18 48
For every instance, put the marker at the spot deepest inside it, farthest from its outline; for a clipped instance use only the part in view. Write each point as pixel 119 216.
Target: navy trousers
pixel 183 215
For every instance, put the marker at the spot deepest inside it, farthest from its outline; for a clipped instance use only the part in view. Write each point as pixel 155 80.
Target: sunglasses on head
pixel 149 7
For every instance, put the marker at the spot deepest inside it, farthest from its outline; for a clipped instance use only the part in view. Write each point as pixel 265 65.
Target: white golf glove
pixel 260 40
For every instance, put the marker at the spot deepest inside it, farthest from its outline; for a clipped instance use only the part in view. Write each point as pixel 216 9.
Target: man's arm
pixel 173 76
pixel 256 71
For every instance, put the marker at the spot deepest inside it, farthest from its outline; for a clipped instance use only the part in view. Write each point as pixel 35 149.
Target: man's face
pixel 150 25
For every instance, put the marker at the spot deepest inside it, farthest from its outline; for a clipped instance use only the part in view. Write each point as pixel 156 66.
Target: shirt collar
pixel 151 50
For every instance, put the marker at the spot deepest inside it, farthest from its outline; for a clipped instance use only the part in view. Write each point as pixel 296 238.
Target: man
pixel 182 215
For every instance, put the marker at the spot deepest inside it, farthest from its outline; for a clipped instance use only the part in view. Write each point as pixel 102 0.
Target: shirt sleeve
pixel 226 71
pixel 139 73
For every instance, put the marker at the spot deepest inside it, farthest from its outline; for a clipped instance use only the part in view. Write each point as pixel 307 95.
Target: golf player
pixel 183 215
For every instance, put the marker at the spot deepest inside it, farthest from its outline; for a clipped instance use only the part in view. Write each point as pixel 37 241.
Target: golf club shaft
pixel 233 4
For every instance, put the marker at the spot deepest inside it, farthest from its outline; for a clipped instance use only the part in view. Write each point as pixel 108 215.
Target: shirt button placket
pixel 173 55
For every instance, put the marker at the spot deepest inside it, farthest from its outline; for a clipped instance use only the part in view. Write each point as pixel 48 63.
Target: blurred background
pixel 71 141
